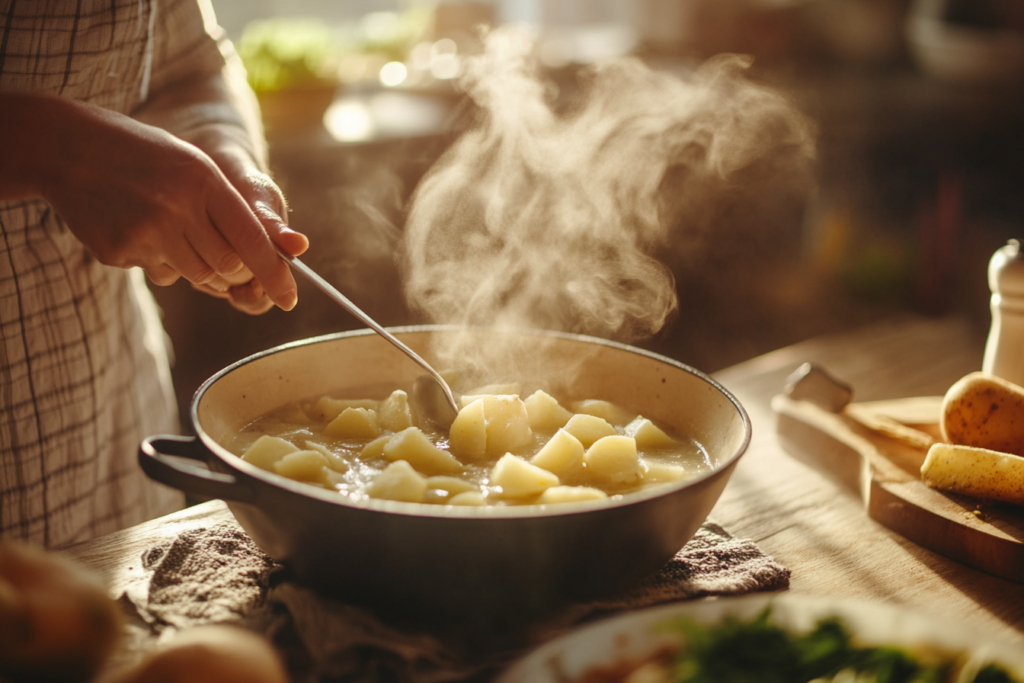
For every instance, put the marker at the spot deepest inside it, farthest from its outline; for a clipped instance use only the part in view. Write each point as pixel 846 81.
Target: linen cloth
pixel 218 575
pixel 84 372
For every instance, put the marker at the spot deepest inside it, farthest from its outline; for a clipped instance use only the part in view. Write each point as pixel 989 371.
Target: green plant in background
pixel 287 53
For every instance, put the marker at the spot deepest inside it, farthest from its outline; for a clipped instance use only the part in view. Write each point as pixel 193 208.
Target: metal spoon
pixel 430 392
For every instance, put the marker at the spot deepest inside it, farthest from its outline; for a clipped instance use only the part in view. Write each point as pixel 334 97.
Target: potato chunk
pixel 518 478
pixel 468 434
pixel 329 408
pixel 506 422
pixel 570 494
pixel 335 461
pixel 309 466
pixel 655 472
pixel 562 454
pixel 398 481
pixel 375 449
pixel 394 414
pixel 546 414
pixel 354 423
pixel 474 498
pixel 413 446
pixel 588 428
pixel 977 472
pixel 267 450
pixel 606 410
pixel 614 459
pixel 648 435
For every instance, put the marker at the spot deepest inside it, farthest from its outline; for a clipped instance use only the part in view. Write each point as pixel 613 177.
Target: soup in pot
pixel 502 449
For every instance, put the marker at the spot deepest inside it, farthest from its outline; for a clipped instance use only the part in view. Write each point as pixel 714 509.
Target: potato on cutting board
pixel 984 411
pixel 976 472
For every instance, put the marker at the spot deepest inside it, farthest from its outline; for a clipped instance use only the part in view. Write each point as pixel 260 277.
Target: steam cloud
pixel 544 219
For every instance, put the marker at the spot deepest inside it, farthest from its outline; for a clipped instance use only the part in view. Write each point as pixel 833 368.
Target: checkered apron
pixel 83 366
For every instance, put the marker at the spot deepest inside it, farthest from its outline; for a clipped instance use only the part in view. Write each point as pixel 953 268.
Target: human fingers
pixel 240 226
pixel 161 274
pixel 213 249
pixel 286 239
pixel 247 298
pixel 250 298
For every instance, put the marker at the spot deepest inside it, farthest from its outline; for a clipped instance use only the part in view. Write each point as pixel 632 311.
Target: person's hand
pixel 135 195
pixel 266 202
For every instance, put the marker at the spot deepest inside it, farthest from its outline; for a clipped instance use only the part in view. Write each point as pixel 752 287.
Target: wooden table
pixel 817 527
pixel 796 514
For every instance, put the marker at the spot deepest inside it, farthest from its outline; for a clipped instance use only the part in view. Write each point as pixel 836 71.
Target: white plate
pixel 633 636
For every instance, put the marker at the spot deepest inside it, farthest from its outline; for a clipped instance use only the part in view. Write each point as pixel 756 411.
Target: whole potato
pixel 211 654
pixel 57 622
pixel 984 411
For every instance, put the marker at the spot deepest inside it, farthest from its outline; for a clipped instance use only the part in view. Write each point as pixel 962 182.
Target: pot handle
pixel 157 457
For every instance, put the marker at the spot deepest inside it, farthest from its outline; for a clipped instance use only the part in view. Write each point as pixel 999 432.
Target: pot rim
pixel 488 512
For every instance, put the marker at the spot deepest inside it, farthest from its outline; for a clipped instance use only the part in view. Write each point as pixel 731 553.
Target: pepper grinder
pixel 1004 351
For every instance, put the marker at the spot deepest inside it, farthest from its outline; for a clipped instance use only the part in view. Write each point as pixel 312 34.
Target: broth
pixel 501 450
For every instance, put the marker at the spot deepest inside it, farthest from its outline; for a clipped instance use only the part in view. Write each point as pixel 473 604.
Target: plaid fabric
pixel 83 367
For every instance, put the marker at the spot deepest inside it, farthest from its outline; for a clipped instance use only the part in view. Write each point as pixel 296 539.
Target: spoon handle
pixel 328 289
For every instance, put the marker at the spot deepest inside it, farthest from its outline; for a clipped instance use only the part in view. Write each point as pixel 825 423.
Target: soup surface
pixel 502 449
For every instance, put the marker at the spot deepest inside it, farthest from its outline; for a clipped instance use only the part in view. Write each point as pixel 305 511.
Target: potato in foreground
pixel 984 411
pixel 977 472
pixel 211 654
pixel 56 621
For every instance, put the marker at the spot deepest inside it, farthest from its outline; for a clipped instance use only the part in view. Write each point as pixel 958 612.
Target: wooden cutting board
pixel 885 472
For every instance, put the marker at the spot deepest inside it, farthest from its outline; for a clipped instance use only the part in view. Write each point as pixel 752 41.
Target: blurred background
pixel 918 104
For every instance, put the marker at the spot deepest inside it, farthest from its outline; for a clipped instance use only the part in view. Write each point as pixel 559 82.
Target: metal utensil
pixel 430 392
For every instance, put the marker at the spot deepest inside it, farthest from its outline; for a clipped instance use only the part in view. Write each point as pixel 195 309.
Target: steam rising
pixel 545 219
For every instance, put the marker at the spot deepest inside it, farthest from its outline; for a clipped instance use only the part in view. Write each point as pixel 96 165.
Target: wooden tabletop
pixel 817 527
pixel 795 513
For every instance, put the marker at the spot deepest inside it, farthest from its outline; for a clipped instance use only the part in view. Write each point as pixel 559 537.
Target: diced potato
pixel 654 472
pixel 375 449
pixel 570 494
pixel 506 422
pixel 413 446
pixel 453 485
pixel 562 454
pixel 607 411
pixel 468 434
pixel 335 461
pixel 394 414
pixel 468 498
pixel 614 459
pixel 977 472
pixel 518 478
pixel 354 423
pixel 267 450
pixel 546 414
pixel 588 428
pixel 648 435
pixel 329 408
pixel 310 466
pixel 398 481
